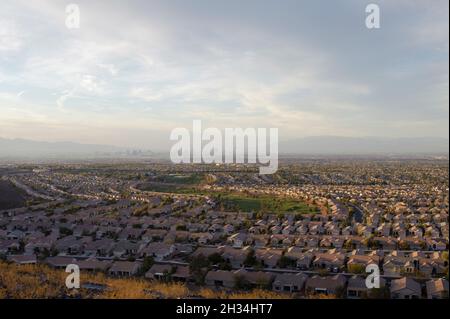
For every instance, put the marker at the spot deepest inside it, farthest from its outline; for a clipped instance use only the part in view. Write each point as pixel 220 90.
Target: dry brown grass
pixel 42 282
pixel 320 296
pixel 170 290
pixel 212 294
pixel 126 289
pixel 30 282
pixel 259 294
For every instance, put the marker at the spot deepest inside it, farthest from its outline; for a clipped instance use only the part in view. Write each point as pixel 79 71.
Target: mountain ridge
pixel 364 145
pixel 323 145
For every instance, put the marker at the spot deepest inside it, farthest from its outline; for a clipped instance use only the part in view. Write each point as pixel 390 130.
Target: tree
pixel 259 215
pixel 65 231
pixel 444 256
pixel 378 293
pixel 348 244
pixel 356 268
pixel 146 265
pixel 216 259
pixel 181 228
pixel 197 267
pixel 341 292
pixel 286 262
pixel 241 283
pixel 403 245
pixel 225 265
pixel 250 260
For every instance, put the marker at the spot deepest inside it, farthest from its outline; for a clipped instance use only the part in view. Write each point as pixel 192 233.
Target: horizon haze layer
pixel 314 145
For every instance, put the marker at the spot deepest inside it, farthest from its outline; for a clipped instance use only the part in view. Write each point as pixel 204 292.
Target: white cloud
pixel 62 99
pixel 110 68
pixel 229 64
pixel 11 39
pixel 91 84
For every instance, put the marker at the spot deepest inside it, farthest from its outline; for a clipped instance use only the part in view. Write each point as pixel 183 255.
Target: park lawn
pixel 238 201
pixel 182 179
pixel 168 188
pixel 267 204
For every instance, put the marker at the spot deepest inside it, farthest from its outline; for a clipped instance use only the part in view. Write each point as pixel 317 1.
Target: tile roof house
pixel 202 238
pixel 93 264
pixel 39 244
pixel 386 243
pixel 289 282
pixel 125 248
pixel 220 278
pixel 9 246
pixel 258 241
pixel 405 288
pixel 269 257
pixel 237 240
pixel 159 271
pixel 59 262
pixel 434 244
pixel 357 288
pixel 363 260
pixel 325 285
pixel 255 278
pixel 70 245
pixel 172 272
pixel 157 250
pixel 181 248
pixel 124 268
pixel 207 251
pixel 102 247
pixel 437 289
pixel 235 257
pixel 154 234
pixel 130 234
pixel 182 274
pixel 331 262
pixel 303 259
pixel 394 266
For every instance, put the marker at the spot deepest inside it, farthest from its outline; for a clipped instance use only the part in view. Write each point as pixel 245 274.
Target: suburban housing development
pixel 308 231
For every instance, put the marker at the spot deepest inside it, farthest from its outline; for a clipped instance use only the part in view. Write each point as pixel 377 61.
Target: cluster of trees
pixel 200 265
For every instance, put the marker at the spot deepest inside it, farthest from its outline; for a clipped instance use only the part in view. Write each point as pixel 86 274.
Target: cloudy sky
pixel 135 70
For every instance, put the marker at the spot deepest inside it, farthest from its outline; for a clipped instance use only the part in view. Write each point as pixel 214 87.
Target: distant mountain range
pixel 364 145
pixel 320 145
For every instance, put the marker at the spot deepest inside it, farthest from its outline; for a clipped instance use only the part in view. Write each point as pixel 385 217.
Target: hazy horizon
pixel 313 145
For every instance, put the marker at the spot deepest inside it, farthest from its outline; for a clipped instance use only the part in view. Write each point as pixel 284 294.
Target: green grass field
pixel 168 188
pixel 237 201
pixel 269 204
pixel 187 184
pixel 182 179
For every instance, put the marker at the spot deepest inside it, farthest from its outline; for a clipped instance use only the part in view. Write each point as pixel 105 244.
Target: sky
pixel 135 70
